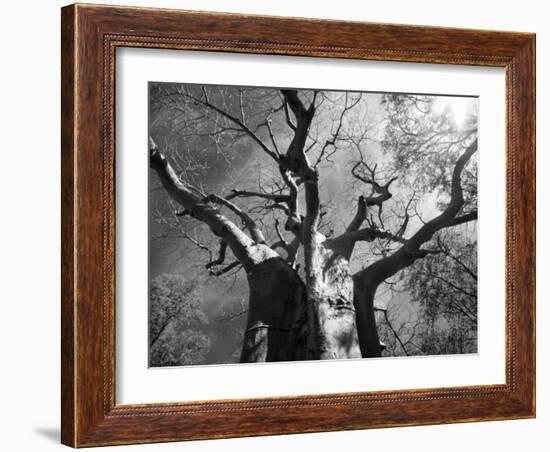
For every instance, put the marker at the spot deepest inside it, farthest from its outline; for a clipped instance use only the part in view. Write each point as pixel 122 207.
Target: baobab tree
pixel 332 206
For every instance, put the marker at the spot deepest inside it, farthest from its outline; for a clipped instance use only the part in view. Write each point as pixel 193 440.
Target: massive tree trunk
pixel 276 314
pixel 332 329
pixel 276 317
pixel 289 322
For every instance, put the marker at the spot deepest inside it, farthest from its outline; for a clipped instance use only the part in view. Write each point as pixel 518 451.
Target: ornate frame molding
pixel 90 37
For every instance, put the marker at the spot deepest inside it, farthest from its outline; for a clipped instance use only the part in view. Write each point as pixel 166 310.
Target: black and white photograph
pixel 306 224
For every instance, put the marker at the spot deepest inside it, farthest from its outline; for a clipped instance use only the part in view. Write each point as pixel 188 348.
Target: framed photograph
pixel 281 225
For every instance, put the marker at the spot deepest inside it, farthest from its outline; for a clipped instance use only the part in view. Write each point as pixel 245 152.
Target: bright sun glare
pixel 458 107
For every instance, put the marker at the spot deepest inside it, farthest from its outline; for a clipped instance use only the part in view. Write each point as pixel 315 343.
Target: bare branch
pixel 345 242
pixel 411 250
pixel 250 224
pixel 277 198
pixel 332 141
pixel 195 206
pixel 445 249
pixel 394 332
pixel 236 121
pixel 380 193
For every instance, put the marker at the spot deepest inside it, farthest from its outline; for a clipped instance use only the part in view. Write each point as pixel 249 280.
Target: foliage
pixel 424 136
pixel 444 290
pixel 175 321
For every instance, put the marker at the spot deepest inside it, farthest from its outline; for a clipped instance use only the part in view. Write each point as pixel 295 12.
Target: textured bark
pixel 332 330
pixel 276 314
pixel 289 322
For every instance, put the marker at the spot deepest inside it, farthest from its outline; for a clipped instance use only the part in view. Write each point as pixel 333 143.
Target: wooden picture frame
pixel 90 36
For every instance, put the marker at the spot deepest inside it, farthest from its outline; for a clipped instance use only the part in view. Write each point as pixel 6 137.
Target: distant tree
pixel 175 320
pixel 444 288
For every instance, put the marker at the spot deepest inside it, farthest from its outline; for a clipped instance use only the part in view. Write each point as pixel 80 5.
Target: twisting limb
pixel 363 172
pixel 368 279
pixel 345 242
pixel 295 158
pixel 380 193
pixel 368 235
pixel 411 250
pixel 250 224
pixel 297 163
pixel 239 242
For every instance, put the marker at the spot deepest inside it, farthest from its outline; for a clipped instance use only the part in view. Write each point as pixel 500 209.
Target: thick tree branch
pixel 294 218
pixel 367 280
pixel 411 250
pixel 297 163
pixel 380 193
pixel 276 198
pixel 345 242
pixel 464 218
pixel 295 159
pixel 360 215
pixel 239 242
pixel 250 224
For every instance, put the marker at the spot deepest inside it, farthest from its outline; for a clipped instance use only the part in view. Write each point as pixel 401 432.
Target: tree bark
pixel 332 330
pixel 276 314
pixel 277 296
pixel 367 331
